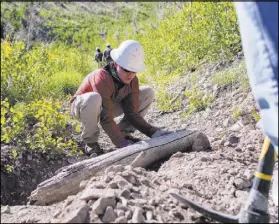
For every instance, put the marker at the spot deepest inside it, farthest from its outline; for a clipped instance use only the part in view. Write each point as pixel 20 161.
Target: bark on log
pixel 142 154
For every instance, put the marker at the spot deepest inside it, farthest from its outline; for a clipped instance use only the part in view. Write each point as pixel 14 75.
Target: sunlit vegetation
pixel 47 48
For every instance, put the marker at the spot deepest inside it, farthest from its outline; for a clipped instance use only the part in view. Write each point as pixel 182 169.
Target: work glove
pixel 125 143
pixel 160 132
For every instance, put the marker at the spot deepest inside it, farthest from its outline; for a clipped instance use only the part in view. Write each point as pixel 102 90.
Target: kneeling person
pixel 111 91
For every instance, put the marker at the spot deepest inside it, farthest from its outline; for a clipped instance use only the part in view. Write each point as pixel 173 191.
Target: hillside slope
pixel 220 178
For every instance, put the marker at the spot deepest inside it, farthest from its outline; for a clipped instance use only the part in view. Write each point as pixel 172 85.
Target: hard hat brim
pixel 116 57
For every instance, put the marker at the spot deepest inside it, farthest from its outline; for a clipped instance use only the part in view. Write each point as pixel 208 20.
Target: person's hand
pixel 160 132
pixel 125 143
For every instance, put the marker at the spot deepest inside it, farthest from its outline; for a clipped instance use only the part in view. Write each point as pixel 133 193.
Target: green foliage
pixel 237 113
pixel 255 114
pixel 41 72
pixel 201 31
pixel 176 37
pixel 198 32
pixel 39 125
pixel 165 101
pixel 65 83
pixel 84 25
pixel 237 73
pixel 198 100
pixel 14 13
pixel 9 169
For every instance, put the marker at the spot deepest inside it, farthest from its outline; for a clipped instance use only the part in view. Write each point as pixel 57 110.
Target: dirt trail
pixel 220 179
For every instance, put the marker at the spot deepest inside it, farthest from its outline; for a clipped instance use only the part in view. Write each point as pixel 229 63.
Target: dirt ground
pixel 220 179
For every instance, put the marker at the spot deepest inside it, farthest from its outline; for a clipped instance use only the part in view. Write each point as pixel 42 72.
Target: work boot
pixel 131 138
pixel 93 149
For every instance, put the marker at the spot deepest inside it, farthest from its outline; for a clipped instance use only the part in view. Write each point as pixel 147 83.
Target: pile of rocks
pixel 123 194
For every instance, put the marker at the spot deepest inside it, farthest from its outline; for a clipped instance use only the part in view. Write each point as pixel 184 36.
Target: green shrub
pixel 40 72
pixel 255 114
pixel 64 83
pixel 198 100
pixel 201 31
pixel 165 101
pixel 38 125
pixel 237 73
pixel 237 113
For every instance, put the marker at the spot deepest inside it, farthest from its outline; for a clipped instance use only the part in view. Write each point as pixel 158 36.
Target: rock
pixel 237 149
pixel 131 179
pixel 138 217
pixel 136 195
pixel 6 209
pixel 114 169
pixel 241 183
pixel 228 122
pixel 69 200
pixel 233 171
pixel 248 127
pixel 128 214
pixel 125 194
pixel 149 215
pixel 122 182
pixel 123 200
pixel 121 219
pixel 217 145
pixel 109 215
pixel 122 207
pixel 249 174
pixel 236 127
pixel 99 185
pixel 112 185
pixel 152 202
pixel 96 193
pixel 145 182
pixel 107 179
pixel 228 144
pixel 233 139
pixel 102 203
pixel 120 213
pixel 137 202
pixel 250 148
pixel 76 213
pixel 245 119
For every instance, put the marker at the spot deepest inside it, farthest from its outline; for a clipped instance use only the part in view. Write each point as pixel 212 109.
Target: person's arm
pixel 104 86
pixel 131 110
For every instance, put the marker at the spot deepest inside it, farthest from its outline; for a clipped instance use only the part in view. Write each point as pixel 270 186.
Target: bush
pixel 30 75
pixel 64 83
pixel 238 73
pixel 198 100
pixel 199 32
pixel 38 125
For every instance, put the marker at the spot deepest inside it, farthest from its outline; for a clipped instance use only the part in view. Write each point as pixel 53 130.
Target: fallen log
pixel 141 154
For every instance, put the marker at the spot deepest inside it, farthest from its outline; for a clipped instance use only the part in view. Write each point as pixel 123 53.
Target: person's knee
pixel 147 93
pixel 93 99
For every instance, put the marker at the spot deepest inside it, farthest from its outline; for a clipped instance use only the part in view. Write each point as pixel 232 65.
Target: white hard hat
pixel 108 45
pixel 129 55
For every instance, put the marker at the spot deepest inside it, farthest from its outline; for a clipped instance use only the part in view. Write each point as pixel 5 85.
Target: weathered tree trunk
pixel 142 154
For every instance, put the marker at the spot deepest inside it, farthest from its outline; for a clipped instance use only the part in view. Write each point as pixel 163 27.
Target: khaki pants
pixel 87 109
